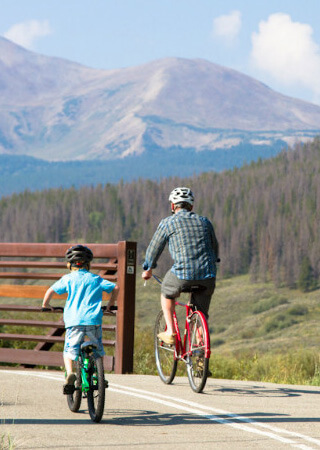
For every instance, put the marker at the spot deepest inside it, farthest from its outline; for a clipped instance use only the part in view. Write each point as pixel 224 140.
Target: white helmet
pixel 181 194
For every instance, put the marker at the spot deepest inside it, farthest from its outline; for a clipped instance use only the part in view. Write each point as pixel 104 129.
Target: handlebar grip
pixel 52 308
pixel 112 308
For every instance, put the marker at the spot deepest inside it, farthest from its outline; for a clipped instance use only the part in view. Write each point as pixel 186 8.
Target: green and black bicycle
pixel 90 382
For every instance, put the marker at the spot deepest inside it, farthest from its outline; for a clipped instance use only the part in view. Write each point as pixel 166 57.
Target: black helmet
pixel 79 255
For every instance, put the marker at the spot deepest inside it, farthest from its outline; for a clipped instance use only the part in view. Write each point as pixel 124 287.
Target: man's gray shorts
pixel 172 286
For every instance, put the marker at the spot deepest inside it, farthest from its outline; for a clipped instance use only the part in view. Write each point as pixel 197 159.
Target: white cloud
pixel 227 26
pixel 26 33
pixel 286 50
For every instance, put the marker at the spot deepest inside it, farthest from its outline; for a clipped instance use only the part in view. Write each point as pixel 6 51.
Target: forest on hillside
pixel 266 215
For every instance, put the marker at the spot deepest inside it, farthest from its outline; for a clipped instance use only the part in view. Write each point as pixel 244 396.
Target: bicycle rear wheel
pixel 197 344
pixel 74 400
pixel 164 353
pixel 96 393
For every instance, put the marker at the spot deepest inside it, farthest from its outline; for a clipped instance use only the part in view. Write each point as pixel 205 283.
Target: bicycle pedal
pixel 68 389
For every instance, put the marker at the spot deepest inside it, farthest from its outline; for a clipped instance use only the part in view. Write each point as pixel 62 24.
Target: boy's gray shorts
pixel 75 337
pixel 172 286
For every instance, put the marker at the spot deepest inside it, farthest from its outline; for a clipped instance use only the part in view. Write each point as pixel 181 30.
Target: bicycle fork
pixel 85 367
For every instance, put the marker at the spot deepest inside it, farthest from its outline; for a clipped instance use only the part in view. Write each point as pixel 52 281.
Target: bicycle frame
pixel 180 347
pixel 85 367
pixel 193 349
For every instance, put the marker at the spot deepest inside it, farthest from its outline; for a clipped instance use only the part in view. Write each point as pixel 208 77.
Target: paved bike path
pixel 143 413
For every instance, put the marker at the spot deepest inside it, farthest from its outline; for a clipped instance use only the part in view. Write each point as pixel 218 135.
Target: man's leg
pixel 168 305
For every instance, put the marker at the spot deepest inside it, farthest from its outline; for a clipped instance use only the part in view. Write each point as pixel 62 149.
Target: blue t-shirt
pixel 84 289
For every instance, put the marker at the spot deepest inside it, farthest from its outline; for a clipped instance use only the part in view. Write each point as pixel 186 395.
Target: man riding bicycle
pixel 194 249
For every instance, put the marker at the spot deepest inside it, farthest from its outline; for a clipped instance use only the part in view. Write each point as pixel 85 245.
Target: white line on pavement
pixel 247 425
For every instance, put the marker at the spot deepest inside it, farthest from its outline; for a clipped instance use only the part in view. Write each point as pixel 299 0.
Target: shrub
pixel 298 310
pixel 269 303
pixel 217 342
pixel 278 323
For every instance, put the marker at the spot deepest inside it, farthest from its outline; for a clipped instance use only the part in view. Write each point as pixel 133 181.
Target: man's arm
pixel 215 243
pixel 154 250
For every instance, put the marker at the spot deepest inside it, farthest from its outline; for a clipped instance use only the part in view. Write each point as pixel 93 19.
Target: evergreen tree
pixel 306 280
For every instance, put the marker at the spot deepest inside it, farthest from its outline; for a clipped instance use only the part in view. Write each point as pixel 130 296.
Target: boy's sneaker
pixel 68 387
pixel 71 378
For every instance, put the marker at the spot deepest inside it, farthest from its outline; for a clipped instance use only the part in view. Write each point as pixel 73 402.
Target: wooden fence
pixel 43 264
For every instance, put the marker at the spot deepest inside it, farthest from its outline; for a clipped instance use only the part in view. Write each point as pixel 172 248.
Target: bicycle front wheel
pixel 74 400
pixel 96 393
pixel 164 353
pixel 197 346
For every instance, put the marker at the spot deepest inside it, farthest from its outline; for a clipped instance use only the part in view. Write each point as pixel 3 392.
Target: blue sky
pixel 274 41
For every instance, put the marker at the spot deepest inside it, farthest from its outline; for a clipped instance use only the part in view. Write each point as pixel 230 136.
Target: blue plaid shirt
pixel 192 244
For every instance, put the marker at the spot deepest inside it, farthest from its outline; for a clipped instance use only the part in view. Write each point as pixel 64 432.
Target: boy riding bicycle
pixel 82 312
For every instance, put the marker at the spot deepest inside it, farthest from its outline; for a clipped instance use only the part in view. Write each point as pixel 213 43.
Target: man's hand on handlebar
pixel 147 274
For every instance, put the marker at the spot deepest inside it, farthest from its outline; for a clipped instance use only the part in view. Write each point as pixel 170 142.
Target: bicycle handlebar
pixel 112 308
pixel 60 308
pixel 52 308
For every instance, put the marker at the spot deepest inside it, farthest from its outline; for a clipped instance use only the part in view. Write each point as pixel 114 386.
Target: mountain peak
pixel 56 109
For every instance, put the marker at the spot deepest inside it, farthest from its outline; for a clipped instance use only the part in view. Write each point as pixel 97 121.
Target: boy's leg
pixel 68 364
pixel 94 333
pixel 73 339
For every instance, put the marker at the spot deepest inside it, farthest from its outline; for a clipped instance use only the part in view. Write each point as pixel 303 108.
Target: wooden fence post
pixel 126 306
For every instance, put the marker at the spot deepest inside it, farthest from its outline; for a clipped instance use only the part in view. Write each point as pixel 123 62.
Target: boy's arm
pixel 47 297
pixel 114 296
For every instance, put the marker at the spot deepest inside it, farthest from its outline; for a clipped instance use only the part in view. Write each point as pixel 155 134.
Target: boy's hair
pixel 79 257
pixel 73 267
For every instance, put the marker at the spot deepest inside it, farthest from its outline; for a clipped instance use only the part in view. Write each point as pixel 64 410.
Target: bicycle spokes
pixel 164 353
pixel 196 348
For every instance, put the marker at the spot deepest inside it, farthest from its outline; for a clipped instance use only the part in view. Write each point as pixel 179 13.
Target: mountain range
pixel 208 116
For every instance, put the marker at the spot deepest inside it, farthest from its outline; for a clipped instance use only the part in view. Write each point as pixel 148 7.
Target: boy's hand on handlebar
pixel 46 308
pixel 147 274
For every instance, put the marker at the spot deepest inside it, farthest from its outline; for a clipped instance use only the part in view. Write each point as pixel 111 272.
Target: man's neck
pixel 180 209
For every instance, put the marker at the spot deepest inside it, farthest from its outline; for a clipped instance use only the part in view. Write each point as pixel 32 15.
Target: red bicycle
pixel 193 350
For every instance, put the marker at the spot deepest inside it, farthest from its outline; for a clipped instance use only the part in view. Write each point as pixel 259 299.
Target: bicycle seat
pixel 88 346
pixel 194 288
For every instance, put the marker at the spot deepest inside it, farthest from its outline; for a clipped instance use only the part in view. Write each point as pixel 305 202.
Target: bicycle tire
pixel 198 342
pixel 96 393
pixel 164 354
pixel 74 400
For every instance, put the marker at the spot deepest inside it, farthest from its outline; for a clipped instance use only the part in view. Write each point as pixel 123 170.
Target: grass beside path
pixel 258 332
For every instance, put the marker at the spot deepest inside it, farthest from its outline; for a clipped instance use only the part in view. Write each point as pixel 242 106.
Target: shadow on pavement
pixel 260 391
pixel 153 418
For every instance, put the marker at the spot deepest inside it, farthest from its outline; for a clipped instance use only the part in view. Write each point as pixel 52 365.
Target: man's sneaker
pixel 169 339
pixel 200 366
